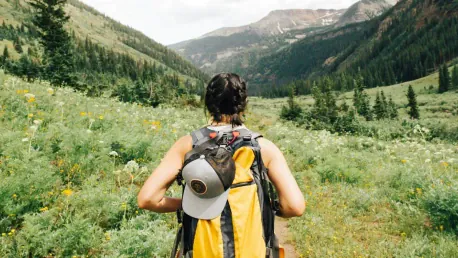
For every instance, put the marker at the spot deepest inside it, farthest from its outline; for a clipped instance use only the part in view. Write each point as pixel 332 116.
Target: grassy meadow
pixel 71 166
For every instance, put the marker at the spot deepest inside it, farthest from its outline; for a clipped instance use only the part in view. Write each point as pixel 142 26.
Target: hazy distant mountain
pixel 236 48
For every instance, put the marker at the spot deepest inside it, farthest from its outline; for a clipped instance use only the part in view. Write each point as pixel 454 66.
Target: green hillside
pixel 106 51
pixel 408 42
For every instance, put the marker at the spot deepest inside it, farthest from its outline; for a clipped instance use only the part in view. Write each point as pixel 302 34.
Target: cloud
pixel 173 21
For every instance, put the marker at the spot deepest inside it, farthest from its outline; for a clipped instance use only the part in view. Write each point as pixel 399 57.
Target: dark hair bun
pixel 226 95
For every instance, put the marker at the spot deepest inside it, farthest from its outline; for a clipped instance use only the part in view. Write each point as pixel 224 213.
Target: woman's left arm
pixel 152 195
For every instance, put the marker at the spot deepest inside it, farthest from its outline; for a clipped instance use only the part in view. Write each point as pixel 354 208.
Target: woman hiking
pixel 228 171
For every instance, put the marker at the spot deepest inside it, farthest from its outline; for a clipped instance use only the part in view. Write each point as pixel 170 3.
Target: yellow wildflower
pixel 10 234
pixel 403 234
pixel 31 100
pixel 67 192
pixel 445 164
pixel 13 230
pixel 83 113
pixel 441 228
pixel 107 236
pixel 50 91
pixel 44 209
pixel 3 234
pixel 30 115
pixel 14 196
pixel 101 117
pixel 404 161
pixel 419 191
pixel 124 206
pixel 26 91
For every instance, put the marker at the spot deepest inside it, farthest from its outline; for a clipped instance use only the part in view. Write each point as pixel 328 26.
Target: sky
pixel 172 21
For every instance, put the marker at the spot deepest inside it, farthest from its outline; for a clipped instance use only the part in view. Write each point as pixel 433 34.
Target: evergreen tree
pixel 392 109
pixel 444 79
pixel 17 45
pixel 455 77
pixel 384 105
pixel 361 100
pixel 293 111
pixel 378 108
pixel 50 18
pixel 413 106
pixel 5 56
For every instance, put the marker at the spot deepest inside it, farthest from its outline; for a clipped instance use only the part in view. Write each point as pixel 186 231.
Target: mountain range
pixel 236 48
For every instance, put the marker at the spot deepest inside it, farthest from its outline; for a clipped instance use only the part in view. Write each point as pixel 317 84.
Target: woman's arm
pixel 292 202
pixel 151 196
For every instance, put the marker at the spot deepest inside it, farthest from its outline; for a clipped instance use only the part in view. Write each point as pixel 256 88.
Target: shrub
pixel 441 204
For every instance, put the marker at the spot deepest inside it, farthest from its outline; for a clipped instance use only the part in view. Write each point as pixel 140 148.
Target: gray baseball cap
pixel 208 180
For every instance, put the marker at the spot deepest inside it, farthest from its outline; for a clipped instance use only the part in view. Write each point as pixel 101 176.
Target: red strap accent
pixel 213 135
pixel 235 134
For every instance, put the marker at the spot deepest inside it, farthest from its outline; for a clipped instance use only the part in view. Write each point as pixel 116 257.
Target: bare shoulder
pixel 184 144
pixel 269 150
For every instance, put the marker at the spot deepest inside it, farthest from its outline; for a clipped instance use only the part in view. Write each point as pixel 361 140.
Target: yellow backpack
pixel 245 228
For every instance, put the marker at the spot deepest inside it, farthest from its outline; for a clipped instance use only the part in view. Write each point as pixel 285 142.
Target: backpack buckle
pixel 247 138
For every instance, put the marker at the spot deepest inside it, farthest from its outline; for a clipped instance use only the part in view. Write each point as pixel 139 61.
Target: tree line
pixel 327 114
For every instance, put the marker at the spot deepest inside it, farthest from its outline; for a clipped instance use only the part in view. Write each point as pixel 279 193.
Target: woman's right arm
pixel 292 203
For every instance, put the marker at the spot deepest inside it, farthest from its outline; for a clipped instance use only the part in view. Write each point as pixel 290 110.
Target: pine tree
pixel 17 45
pixel 5 56
pixel 392 109
pixel 384 105
pixel 455 77
pixel 50 18
pixel 413 106
pixel 444 79
pixel 378 109
pixel 293 111
pixel 361 100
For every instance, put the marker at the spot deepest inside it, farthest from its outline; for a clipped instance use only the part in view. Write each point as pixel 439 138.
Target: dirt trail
pixel 281 229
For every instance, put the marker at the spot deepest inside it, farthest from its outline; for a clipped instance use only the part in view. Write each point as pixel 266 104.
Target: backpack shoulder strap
pixel 199 136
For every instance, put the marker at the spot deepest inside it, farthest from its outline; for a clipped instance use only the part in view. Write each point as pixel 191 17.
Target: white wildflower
pixel 131 166
pixel 37 122
pixel 114 154
pixel 428 161
pixel 34 128
pixel 25 139
pixel 29 96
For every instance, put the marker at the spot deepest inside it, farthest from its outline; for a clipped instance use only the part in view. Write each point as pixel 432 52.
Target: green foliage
pixel 293 111
pixel 444 79
pixel 325 108
pixel 441 204
pixel 414 112
pixel 392 109
pixel 50 18
pixel 455 77
pixel 361 100
pixel 63 192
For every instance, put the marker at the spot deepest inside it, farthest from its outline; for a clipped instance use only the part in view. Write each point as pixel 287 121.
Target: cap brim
pixel 201 208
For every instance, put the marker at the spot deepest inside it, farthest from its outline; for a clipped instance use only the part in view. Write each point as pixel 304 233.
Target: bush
pixel 441 204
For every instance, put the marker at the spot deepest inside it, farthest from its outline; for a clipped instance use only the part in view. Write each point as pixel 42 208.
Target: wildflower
pixel 101 117
pixel 124 206
pixel 13 230
pixel 50 91
pixel 441 227
pixel 107 236
pixel 404 161
pixel 428 161
pixel 44 209
pixel 30 115
pixel 3 234
pixel 60 103
pixel 67 192
pixel 37 122
pixel 34 128
pixel 83 113
pixel 403 234
pixel 131 166
pixel 114 154
pixel 419 191
pixel 14 196
pixel 445 164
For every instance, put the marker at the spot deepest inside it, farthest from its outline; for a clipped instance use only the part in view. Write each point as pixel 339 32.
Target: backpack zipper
pixel 243 184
